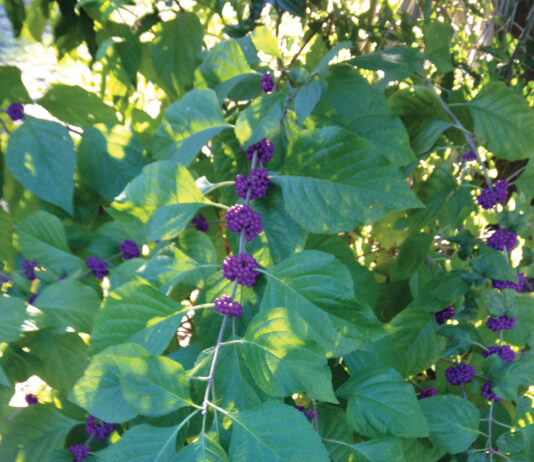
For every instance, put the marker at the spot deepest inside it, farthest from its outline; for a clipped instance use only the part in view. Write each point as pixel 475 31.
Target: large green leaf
pixel 437 43
pixel 274 432
pixel 153 386
pixel 333 181
pixel 420 450
pixel 282 359
pixel 42 238
pixel 11 87
pixel 319 288
pixel 453 422
pixel 159 203
pixel 259 119
pixel 77 106
pixel 175 52
pixel 109 158
pixel 333 426
pixel 68 305
pixel 143 443
pixel 504 120
pixel 12 316
pixel 397 63
pixel 35 434
pixel 411 255
pixel 514 375
pixel 379 450
pixel 380 403
pixel 205 449
pixel 137 313
pixel 188 125
pixel 350 102
pixel 40 154
pixel 99 391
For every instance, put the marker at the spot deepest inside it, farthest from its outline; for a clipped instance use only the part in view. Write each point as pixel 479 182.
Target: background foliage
pixel 370 227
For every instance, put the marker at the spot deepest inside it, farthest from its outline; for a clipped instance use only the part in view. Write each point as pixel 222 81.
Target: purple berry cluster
pixel 226 305
pixel 487 199
pixel 426 392
pixel 15 111
pixel 257 181
pixel 97 431
pixel 488 393
pixel 469 155
pixel 243 217
pixel 241 268
pixel 462 373
pixel 267 84
pixel 500 323
pixel 99 267
pixel 502 239
pixel 265 151
pixel 31 399
pixel 129 249
pixel 443 315
pixel 29 269
pixel 79 451
pixel 500 285
pixel 307 412
pixel 505 352
pixel 200 223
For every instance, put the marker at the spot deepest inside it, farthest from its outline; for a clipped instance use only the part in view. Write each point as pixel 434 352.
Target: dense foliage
pixel 242 242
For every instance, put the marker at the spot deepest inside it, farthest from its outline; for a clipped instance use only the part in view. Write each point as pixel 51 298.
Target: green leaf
pixel 514 375
pixel 319 288
pixel 188 125
pixel 35 433
pixel 379 450
pixel 42 238
pixel 493 264
pixel 77 106
pixel 136 313
pixel 398 63
pixel 109 158
pixel 205 449
pixel 381 402
pixel 12 89
pixel 175 52
pixel 350 102
pixel 453 422
pixel 333 181
pixel 437 43
pixel 282 359
pixel 419 450
pixel 12 316
pixel 159 203
pixel 4 379
pixel 143 443
pixel 259 119
pixel 330 55
pixel 296 7
pixel 100 9
pixel 504 120
pixel 265 41
pixel 412 253
pixel 68 304
pixel 99 391
pixel 40 154
pixel 154 386
pixel 63 358
pixel 274 432
pixel 16 13
pixel 333 426
pixel 306 99
pixel 427 135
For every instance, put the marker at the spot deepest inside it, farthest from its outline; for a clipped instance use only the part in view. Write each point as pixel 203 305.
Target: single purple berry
pixel 487 199
pixel 492 350
pixel 462 373
pixel 29 269
pixel 79 451
pixel 488 393
pixel 243 217
pixel 129 249
pixel 506 353
pixel 443 315
pixel 258 182
pixel 267 84
pixel 61 278
pixel 500 323
pixel 264 149
pixel 226 305
pixel 500 285
pixel 99 267
pixel 310 414
pixel 426 392
pixel 31 399
pixel 15 111
pixel 470 155
pixel 98 432
pixel 502 239
pixel 200 223
pixel 241 267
